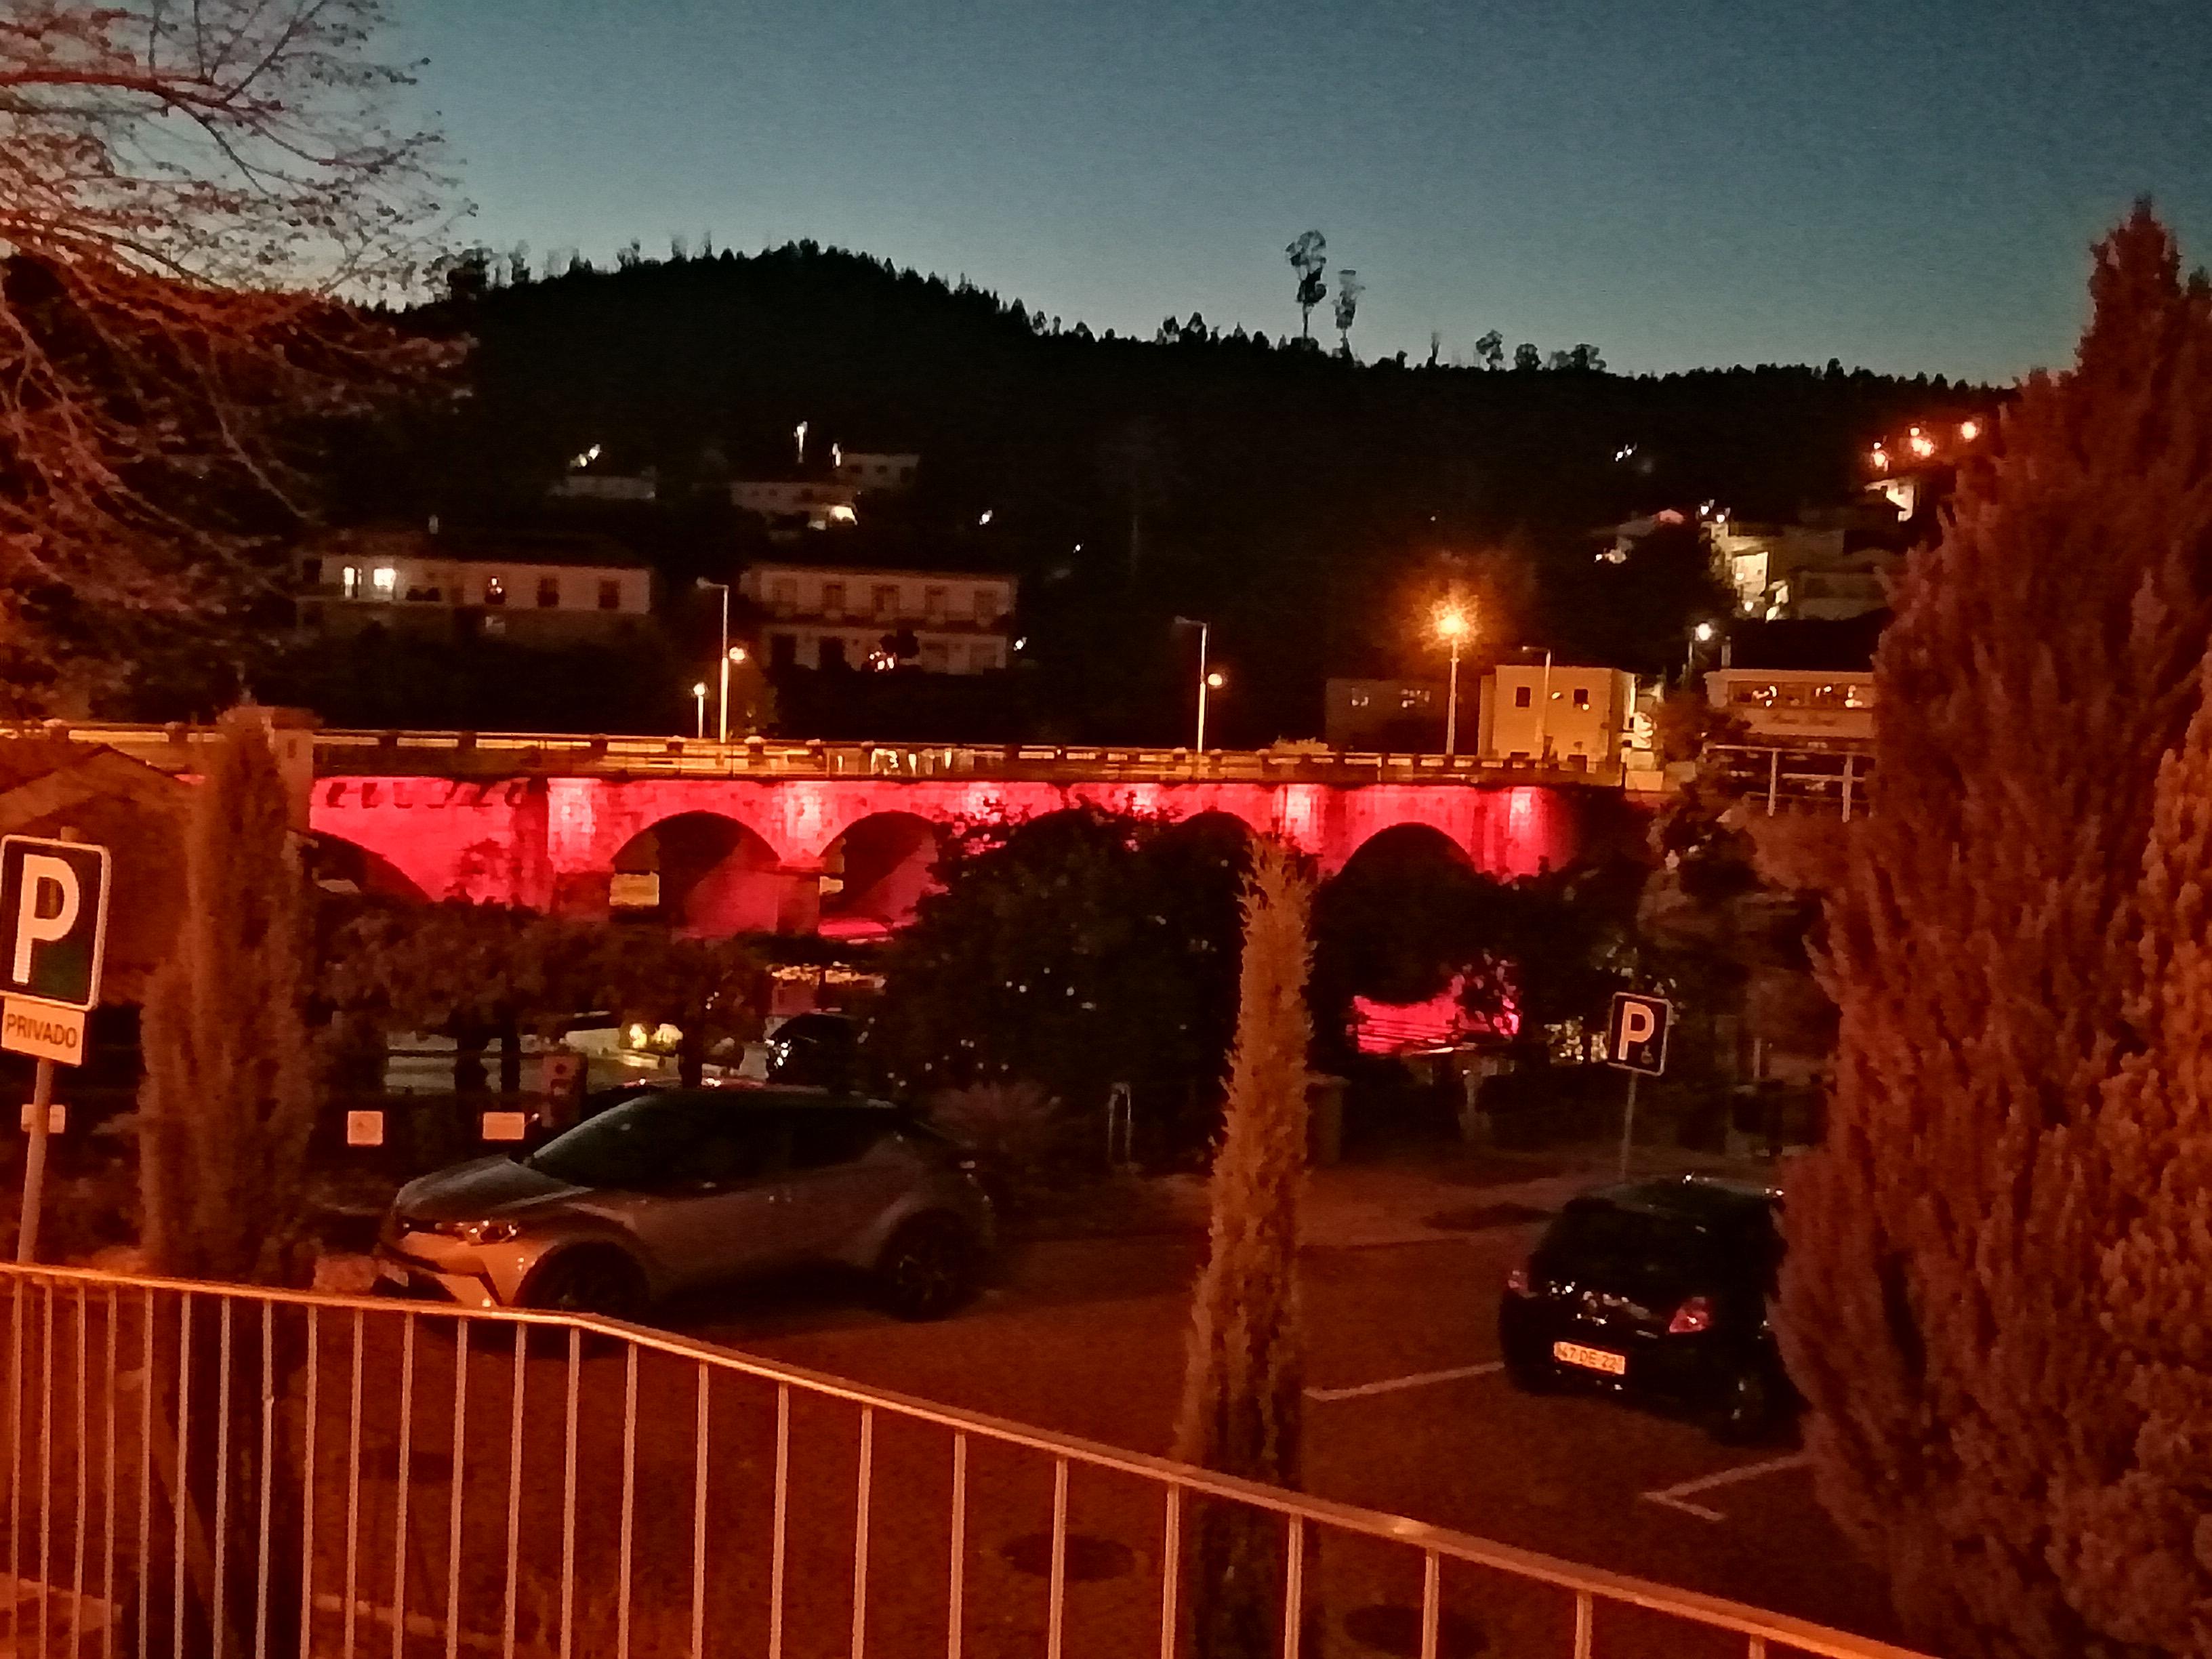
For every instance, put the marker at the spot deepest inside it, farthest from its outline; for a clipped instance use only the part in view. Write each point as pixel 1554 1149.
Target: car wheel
pixel 1749 1410
pixel 928 1269
pixel 596 1281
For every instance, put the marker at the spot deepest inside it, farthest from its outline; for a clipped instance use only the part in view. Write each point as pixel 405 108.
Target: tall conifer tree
pixel 1992 954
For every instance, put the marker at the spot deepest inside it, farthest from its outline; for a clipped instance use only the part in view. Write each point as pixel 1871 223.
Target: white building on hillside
pixel 837 616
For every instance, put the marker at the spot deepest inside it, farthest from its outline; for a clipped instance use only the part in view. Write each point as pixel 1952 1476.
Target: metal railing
pixel 522 754
pixel 1785 779
pixel 214 1470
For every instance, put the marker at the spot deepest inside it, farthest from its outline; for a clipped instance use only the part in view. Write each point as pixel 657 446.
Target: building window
pixel 350 582
pixel 832 652
pixel 311 571
pixel 549 592
pixel 932 602
pixel 1582 696
pixel 783 595
pixel 833 601
pixel 384 579
pixel 887 600
pixel 1522 696
pixel 610 593
pixel 937 657
pixel 495 590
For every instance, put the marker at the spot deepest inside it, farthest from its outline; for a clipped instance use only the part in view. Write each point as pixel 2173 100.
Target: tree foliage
pixel 1073 951
pixel 229 1094
pixel 1244 1373
pixel 1994 1293
pixel 194 202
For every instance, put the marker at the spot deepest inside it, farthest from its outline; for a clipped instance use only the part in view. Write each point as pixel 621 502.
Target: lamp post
pixel 699 697
pixel 722 705
pixel 1453 625
pixel 1207 681
pixel 1701 634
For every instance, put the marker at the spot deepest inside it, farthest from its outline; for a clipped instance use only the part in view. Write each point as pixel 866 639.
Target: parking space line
pixel 1678 1497
pixel 1418 1380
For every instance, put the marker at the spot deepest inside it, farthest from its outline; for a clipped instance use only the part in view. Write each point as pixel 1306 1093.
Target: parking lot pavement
pixel 1407 1411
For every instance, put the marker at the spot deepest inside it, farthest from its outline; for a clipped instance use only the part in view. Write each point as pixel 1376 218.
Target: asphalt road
pixel 1405 1411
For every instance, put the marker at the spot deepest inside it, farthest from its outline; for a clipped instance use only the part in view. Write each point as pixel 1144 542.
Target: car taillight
pixel 1693 1315
pixel 1517 1281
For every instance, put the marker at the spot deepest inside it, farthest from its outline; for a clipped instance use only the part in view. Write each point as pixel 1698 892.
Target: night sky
pixel 1909 185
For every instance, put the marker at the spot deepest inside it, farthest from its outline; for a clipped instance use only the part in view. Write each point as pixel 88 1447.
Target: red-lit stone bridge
pixel 759 835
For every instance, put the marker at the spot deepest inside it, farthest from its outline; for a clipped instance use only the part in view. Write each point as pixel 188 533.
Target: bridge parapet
pixel 488 755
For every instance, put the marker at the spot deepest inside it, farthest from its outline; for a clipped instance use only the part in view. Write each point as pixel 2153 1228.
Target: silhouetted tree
pixel 1309 256
pixel 1349 288
pixel 1489 349
pixel 1525 355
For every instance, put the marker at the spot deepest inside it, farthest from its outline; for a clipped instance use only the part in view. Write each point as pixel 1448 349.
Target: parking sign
pixel 1636 1036
pixel 53 920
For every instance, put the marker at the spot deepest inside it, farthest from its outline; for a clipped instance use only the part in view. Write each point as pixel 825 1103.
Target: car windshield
pixel 1634 1239
pixel 639 1144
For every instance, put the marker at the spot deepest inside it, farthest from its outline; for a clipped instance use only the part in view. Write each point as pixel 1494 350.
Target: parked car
pixel 819 1050
pixel 670 1189
pixel 1658 1290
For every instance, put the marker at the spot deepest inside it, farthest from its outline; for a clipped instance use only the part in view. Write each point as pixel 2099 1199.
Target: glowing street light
pixel 1216 680
pixel 699 697
pixel 737 653
pixel 1701 634
pixel 730 655
pixel 1453 627
pixel 1208 679
pixel 1704 633
pixel 1969 430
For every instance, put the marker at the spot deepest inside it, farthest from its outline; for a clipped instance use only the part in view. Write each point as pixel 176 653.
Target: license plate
pixel 1590 1360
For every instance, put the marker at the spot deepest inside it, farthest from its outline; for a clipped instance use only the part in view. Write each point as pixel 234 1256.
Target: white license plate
pixel 1590 1360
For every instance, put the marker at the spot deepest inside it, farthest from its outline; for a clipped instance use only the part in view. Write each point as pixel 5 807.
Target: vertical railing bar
pixel 114 1474
pixel 782 1505
pixel 18 1288
pixel 1294 1588
pixel 47 1464
pixel 1056 1595
pixel 1585 1621
pixel 454 1488
pixel 267 1477
pixel 184 1446
pixel 628 1499
pixel 146 1479
pixel 866 1481
pixel 403 1483
pixel 83 1460
pixel 314 1391
pixel 956 1595
pixel 521 1335
pixel 1170 1572
pixel 698 1523
pixel 1431 1602
pixel 218 1610
pixel 1757 1648
pixel 569 1498
pixel 353 1491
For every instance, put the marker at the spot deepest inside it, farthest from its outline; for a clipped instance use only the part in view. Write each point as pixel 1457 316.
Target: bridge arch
pixel 876 871
pixel 711 875
pixel 338 859
pixel 1411 841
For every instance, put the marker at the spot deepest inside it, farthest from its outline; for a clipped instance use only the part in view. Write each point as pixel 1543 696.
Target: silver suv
pixel 672 1189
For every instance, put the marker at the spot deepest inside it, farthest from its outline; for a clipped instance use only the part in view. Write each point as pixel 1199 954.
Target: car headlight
pixel 477 1232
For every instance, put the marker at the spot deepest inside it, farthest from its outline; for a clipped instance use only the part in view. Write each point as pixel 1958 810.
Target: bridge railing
pixel 199 1469
pixel 510 754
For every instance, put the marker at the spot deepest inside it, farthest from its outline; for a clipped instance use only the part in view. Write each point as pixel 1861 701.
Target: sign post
pixel 1636 1042
pixel 54 935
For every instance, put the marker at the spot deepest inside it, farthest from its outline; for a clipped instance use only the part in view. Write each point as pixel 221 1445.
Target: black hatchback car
pixel 1658 1290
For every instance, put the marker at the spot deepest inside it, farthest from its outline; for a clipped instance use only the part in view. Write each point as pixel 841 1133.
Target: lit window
pixel 350 581
pixel 384 579
pixel 549 592
pixel 610 593
pixel 495 590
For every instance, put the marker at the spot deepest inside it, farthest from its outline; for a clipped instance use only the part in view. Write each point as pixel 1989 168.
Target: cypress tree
pixel 229 1096
pixel 1243 1385
pixel 1978 1424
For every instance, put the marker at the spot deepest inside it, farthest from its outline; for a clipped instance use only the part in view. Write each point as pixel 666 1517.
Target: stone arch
pixel 1409 840
pixel 337 860
pixel 712 876
pixel 876 871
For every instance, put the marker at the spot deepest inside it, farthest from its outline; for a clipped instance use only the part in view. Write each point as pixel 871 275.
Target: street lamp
pixel 1453 627
pixel 1207 680
pixel 729 656
pixel 1701 634
pixel 699 697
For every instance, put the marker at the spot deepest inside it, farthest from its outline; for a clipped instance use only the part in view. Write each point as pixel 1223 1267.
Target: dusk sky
pixel 1907 185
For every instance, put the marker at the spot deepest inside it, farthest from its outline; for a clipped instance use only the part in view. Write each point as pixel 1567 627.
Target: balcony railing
pixel 215 1469
pixel 506 755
